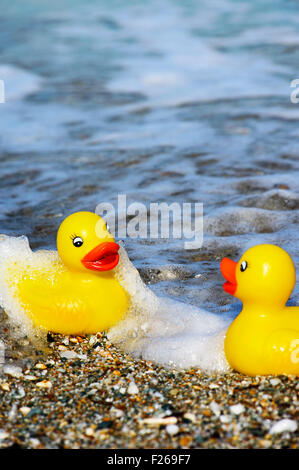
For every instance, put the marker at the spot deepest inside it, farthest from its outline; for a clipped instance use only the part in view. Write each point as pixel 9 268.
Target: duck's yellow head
pixel 85 243
pixel 265 274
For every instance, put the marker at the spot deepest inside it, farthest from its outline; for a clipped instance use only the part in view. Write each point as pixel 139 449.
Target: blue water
pixel 175 101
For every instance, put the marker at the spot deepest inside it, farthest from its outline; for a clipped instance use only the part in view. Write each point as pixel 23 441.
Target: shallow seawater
pixel 172 101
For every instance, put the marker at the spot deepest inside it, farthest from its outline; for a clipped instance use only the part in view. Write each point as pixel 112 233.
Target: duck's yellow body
pixel 72 303
pixel 264 338
pixel 75 291
pixel 261 342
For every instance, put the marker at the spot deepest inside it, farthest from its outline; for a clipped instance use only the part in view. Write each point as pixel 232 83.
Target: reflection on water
pixel 163 101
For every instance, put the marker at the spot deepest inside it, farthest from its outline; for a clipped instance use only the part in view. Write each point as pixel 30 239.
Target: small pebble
pixel 67 354
pixel 172 429
pixel 44 384
pixel 284 425
pixel 33 442
pixel 25 410
pixel 40 366
pixel 118 413
pixel 106 354
pixel 89 432
pixel 266 443
pixel 160 421
pixel 225 419
pixel 275 382
pixel 30 377
pixel 21 392
pixel 237 409
pixel 14 371
pixel 132 389
pixel 190 416
pixel 3 435
pixel 5 387
pixel 12 413
pixel 213 386
pixel 92 340
pixel 245 383
pixel 215 408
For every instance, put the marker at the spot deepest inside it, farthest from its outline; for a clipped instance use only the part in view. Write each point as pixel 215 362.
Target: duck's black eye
pixel 77 242
pixel 243 266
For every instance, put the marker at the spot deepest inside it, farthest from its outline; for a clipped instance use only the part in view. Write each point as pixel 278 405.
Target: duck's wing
pixel 53 302
pixel 35 285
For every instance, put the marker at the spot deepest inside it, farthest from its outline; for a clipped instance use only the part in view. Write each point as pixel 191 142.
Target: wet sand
pixel 88 394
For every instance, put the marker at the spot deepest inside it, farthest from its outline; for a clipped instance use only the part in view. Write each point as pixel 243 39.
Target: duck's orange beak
pixel 103 257
pixel 228 269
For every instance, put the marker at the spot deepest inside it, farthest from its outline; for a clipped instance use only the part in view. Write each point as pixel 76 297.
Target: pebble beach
pixel 87 394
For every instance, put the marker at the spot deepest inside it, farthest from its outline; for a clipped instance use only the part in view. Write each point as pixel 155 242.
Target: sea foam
pixel 18 82
pixel 16 252
pixel 168 332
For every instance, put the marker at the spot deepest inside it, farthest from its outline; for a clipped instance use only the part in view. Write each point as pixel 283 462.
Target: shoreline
pixel 88 394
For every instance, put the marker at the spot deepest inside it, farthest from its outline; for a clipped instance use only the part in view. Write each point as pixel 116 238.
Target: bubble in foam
pixel 16 256
pixel 166 331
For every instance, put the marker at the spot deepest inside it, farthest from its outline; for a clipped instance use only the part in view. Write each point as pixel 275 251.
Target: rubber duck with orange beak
pixel 264 338
pixel 74 290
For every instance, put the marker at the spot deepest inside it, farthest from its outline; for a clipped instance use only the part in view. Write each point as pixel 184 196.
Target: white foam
pixel 190 64
pixel 16 251
pixel 18 82
pixel 168 332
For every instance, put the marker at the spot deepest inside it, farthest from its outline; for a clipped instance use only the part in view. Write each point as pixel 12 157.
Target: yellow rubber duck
pixel 264 338
pixel 75 291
